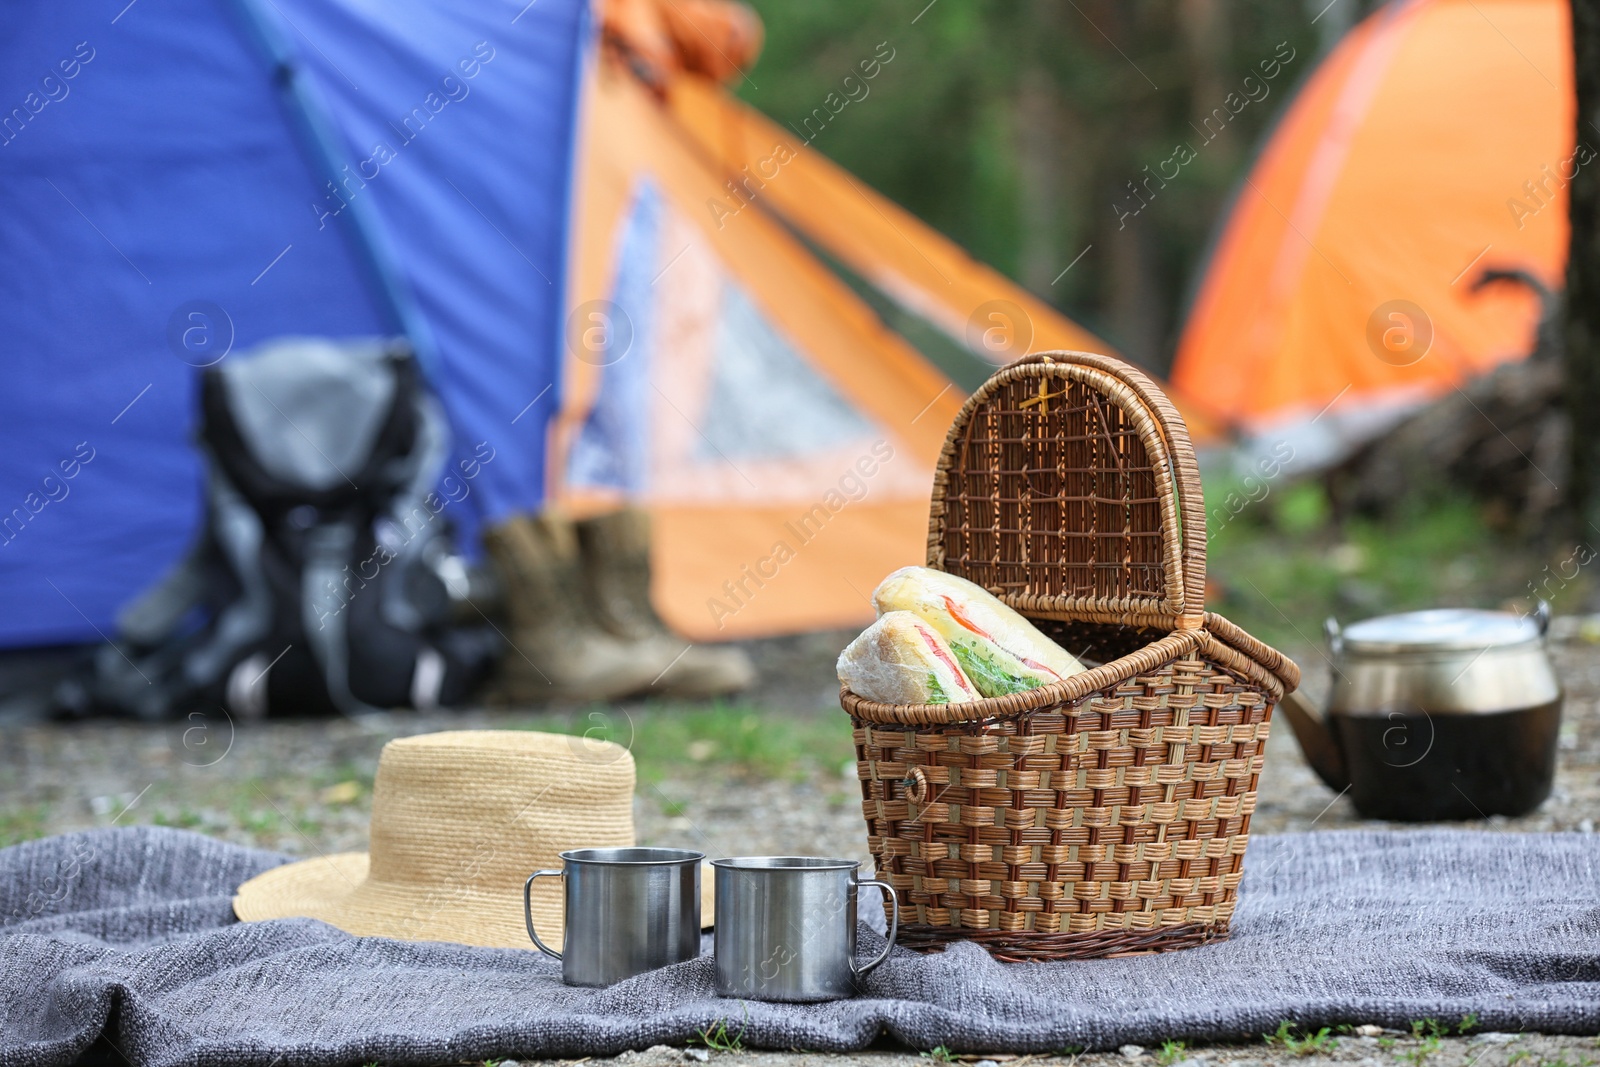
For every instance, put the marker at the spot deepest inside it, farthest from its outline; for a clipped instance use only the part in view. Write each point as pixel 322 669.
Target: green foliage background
pixel 1015 127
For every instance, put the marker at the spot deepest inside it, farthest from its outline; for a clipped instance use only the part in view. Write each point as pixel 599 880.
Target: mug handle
pixel 527 910
pixel 894 927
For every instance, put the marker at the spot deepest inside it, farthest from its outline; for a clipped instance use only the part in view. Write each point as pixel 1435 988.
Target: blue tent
pixel 182 179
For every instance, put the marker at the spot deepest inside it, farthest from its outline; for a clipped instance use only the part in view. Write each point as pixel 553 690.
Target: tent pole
pixel 322 144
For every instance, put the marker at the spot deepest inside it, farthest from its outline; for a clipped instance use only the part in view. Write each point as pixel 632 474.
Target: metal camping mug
pixel 786 927
pixel 628 911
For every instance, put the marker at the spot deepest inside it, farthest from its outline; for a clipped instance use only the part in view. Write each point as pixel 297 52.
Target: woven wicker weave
pixel 1107 813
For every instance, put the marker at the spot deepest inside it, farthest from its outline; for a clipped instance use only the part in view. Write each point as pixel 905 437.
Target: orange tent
pixel 781 435
pixel 1434 142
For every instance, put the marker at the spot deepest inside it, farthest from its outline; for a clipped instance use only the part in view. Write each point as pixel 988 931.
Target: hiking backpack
pixel 324 577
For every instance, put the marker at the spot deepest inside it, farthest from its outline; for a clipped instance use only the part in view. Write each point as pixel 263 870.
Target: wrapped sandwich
pixel 900 659
pixel 999 650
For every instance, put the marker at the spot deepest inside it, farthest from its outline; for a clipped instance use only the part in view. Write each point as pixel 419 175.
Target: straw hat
pixel 459 821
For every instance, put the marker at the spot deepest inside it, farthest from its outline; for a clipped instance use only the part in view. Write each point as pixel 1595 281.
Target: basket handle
pixel 1185 472
pixel 1169 449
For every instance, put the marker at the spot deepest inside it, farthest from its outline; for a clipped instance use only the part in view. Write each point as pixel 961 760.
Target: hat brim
pixel 338 890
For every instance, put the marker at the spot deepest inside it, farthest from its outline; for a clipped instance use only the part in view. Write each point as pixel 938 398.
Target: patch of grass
pixel 1301 508
pixel 1283 564
pixel 1426 1047
pixel 940 1054
pixel 1434 1028
pixel 716 1038
pixel 1301 1045
pixel 666 739
pixel 183 819
pixel 346 770
pixel 252 811
pixel 23 822
pixel 672 809
pixel 1171 1052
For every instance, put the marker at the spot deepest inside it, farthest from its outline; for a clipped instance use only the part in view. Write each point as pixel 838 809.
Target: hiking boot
pixel 558 651
pixel 615 548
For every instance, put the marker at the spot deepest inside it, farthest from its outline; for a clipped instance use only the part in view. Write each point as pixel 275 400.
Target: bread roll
pixel 1000 651
pixel 900 659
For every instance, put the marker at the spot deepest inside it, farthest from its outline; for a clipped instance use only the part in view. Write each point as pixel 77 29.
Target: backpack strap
pixel 247 619
pixel 408 526
pixel 323 604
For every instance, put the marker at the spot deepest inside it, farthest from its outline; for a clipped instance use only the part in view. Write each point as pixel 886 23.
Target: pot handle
pixel 527 909
pixel 894 927
pixel 1335 636
pixel 1317 740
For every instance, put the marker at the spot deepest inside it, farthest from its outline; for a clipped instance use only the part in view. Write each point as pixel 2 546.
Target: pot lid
pixel 1442 629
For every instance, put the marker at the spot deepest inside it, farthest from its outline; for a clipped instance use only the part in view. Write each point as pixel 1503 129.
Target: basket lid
pixel 1068 488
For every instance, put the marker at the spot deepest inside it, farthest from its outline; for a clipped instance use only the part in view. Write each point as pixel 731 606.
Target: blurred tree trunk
pixel 1583 279
pixel 1138 302
pixel 1205 37
pixel 1039 134
pixel 1050 193
pixel 1137 309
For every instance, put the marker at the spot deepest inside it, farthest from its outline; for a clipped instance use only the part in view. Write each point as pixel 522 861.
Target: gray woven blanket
pixel 129 934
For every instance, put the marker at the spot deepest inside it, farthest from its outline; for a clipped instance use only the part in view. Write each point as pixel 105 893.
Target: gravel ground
pixel 1384 1049
pixel 304 787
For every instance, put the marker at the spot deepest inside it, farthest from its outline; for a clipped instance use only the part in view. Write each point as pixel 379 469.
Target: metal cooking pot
pixel 1446 714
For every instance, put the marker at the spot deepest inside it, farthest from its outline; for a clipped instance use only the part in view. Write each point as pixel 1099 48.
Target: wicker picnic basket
pixel 1107 813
